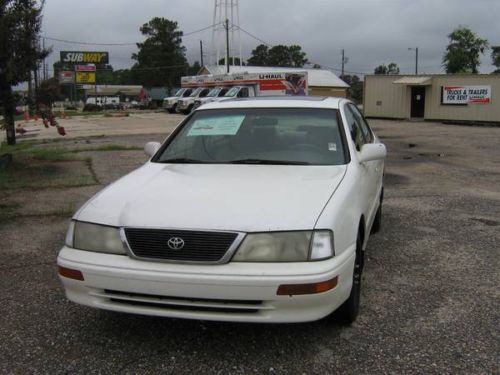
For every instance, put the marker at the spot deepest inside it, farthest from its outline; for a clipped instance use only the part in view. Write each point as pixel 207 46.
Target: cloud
pixel 371 31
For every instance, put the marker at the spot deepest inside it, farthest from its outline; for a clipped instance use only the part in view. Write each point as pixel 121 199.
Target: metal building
pixel 456 97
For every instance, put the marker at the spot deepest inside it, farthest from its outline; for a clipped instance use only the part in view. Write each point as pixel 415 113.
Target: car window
pixel 196 92
pixel 354 127
pixel 214 92
pixel 243 92
pixel 360 120
pixel 203 93
pixel 233 92
pixel 279 135
pixel 187 92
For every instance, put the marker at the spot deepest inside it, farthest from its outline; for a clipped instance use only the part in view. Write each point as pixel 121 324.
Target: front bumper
pixel 167 105
pixel 244 292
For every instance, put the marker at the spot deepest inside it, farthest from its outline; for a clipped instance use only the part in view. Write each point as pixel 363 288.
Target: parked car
pixel 170 103
pixel 186 105
pixel 255 210
pixel 216 94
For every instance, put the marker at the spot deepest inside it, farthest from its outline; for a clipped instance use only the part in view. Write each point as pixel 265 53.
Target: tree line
pixel 462 55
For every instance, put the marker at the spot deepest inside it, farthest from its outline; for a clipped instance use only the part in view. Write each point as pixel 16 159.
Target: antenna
pixel 226 10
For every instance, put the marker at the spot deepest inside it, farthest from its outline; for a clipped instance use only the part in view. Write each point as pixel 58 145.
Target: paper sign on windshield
pixel 227 125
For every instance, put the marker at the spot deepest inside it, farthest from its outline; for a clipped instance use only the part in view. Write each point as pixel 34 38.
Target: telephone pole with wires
pixel 344 61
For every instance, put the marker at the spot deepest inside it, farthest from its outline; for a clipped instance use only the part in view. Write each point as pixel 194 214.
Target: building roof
pixel 414 80
pixel 113 90
pixel 316 77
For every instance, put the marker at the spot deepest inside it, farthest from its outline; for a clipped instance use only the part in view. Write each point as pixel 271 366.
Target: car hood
pixel 248 198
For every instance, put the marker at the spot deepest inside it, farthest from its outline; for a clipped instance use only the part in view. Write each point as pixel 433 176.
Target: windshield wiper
pixel 181 161
pixel 268 162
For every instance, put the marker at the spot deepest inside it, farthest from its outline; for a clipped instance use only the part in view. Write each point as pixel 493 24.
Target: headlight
pixel 298 246
pixel 94 237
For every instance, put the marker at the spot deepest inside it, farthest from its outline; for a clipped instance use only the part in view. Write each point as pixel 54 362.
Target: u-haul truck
pixel 241 85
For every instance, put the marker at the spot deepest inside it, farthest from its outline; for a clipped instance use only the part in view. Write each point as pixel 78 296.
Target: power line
pixel 311 63
pixel 118 44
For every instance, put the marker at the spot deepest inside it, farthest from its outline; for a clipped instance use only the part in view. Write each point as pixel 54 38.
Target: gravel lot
pixel 430 299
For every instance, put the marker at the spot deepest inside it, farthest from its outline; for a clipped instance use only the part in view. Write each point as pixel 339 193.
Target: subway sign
pixel 84 57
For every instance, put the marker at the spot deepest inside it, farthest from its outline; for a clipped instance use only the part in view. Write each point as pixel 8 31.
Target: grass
pixel 111 147
pixel 38 165
pixel 9 211
pixel 21 175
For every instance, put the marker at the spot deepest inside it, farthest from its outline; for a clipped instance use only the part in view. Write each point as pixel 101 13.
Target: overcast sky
pixel 371 31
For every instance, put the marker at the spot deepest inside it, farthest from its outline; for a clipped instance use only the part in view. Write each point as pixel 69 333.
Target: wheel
pixel 377 222
pixel 350 308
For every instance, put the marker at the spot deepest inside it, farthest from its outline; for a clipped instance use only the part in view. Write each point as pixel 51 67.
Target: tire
pixel 349 310
pixel 377 222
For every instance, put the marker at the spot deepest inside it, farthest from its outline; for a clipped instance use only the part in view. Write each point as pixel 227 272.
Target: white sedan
pixel 252 210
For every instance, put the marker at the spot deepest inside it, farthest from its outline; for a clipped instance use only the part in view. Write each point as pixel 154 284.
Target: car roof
pixel 277 101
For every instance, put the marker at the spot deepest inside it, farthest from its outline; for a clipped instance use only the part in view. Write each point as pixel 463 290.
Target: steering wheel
pixel 310 147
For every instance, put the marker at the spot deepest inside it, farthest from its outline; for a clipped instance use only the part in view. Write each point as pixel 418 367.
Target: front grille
pixel 198 246
pixel 183 303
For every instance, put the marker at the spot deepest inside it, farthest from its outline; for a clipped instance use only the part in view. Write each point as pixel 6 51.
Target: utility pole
pixel 343 62
pixel 227 45
pixel 201 53
pixel 416 61
pixel 416 58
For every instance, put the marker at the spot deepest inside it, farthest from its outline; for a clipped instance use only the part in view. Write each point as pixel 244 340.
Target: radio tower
pixel 226 11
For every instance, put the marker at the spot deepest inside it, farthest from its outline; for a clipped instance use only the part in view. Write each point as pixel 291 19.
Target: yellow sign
pixel 85 77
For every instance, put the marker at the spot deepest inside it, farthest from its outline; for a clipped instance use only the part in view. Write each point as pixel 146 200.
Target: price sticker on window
pixel 222 125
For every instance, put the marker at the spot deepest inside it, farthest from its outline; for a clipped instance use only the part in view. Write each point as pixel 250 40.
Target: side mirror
pixel 151 148
pixel 372 151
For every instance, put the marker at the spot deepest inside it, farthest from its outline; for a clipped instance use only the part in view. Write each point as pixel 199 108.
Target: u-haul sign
pixel 463 95
pixel 273 83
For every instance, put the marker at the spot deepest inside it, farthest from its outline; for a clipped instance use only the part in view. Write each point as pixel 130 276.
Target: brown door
pixel 418 101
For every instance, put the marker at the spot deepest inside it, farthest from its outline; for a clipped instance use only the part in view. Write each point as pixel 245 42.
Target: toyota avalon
pixel 254 210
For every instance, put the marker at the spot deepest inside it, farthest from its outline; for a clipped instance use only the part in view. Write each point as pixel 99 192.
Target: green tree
pixel 49 92
pixel 355 91
pixel 392 68
pixel 104 75
pixel 259 56
pixel 232 61
pixel 161 58
pixel 280 55
pixel 20 23
pixel 463 51
pixel 495 58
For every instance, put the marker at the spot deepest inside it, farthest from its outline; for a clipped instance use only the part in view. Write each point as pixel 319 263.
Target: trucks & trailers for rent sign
pixel 463 95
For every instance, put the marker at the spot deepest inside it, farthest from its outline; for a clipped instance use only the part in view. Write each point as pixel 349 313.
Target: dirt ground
pixel 430 297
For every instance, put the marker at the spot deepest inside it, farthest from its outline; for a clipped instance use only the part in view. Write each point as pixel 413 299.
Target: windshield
pixel 214 92
pixel 233 92
pixel 196 92
pixel 258 136
pixel 180 92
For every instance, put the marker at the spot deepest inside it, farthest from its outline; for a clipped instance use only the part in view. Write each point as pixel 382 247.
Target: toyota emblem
pixel 176 243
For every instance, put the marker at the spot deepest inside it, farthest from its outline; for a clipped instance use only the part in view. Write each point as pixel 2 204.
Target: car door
pixel 370 172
